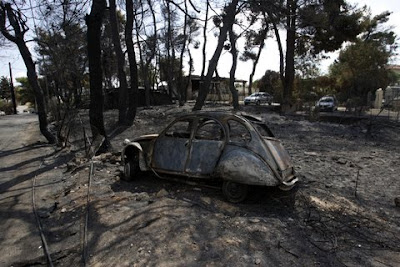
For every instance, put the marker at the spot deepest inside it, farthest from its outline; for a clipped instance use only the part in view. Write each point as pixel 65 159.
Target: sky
pixel 269 58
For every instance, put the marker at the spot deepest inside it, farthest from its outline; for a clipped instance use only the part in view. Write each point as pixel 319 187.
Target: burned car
pixel 239 150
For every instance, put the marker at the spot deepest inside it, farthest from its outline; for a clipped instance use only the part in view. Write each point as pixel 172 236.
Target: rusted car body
pixel 239 149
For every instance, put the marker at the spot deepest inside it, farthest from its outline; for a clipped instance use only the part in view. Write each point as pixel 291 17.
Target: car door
pixel 206 148
pixel 171 148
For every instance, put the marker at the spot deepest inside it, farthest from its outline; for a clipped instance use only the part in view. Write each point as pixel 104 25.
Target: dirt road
pixel 20 158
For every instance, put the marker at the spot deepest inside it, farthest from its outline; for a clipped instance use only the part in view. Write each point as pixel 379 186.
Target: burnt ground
pixel 342 213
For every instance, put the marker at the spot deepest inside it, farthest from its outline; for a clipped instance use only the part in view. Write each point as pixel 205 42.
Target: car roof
pixel 218 115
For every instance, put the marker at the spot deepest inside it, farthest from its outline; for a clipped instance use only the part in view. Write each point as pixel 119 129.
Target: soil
pixel 343 212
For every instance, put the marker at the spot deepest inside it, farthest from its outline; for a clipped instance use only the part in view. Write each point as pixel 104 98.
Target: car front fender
pixel 130 149
pixel 241 165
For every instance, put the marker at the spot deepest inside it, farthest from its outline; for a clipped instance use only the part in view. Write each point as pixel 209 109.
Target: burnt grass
pixel 342 213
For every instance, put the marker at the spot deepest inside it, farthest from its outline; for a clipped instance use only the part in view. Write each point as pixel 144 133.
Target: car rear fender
pixel 241 165
pixel 132 149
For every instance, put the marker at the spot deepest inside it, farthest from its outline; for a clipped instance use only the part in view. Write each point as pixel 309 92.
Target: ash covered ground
pixel 343 212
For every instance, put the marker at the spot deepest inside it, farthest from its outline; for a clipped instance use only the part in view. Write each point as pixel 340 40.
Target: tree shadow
pixel 22 149
pixel 22 178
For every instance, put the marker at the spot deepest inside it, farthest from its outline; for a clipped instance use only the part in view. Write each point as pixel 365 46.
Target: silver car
pixel 259 98
pixel 327 103
pixel 237 150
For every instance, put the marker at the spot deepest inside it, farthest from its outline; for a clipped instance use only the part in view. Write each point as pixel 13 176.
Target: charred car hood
pixel 281 156
pixel 145 137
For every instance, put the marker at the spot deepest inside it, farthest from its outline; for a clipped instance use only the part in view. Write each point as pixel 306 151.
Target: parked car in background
pixel 258 98
pixel 236 150
pixel 327 103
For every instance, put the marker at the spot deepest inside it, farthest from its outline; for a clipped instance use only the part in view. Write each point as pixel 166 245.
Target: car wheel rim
pixel 234 192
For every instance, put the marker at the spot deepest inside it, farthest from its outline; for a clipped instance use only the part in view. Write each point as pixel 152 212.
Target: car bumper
pixel 325 108
pixel 287 185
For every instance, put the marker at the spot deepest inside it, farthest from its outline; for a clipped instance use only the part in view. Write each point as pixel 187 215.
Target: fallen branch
pixel 286 250
pixel 355 189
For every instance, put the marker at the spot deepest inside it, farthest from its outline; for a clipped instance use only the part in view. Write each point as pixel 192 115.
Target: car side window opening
pixel 180 129
pixel 238 132
pixel 262 129
pixel 209 130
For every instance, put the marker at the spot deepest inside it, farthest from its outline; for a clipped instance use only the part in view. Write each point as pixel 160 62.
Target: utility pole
pixel 12 90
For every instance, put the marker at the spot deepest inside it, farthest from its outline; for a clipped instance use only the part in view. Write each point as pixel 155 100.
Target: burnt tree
pixel 133 71
pixel 235 98
pixel 18 24
pixel 123 83
pixel 227 20
pixel 94 22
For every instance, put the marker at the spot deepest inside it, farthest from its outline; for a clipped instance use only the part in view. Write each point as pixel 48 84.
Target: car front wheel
pixel 234 192
pixel 131 169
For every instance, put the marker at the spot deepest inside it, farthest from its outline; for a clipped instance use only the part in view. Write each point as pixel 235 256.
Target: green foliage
pixel 311 89
pixel 325 25
pixel 62 47
pixel 108 57
pixel 253 39
pixel 164 68
pixel 5 92
pixel 270 83
pixel 7 107
pixel 361 66
pixel 24 91
pixel 63 59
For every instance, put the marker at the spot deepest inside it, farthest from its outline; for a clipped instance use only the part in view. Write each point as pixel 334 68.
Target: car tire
pixel 245 103
pixel 131 169
pixel 234 192
pixel 258 102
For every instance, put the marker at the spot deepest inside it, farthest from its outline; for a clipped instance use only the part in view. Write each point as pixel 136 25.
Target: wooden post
pixel 12 90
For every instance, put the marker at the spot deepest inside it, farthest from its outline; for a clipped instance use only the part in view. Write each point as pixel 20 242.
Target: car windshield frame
pixel 327 100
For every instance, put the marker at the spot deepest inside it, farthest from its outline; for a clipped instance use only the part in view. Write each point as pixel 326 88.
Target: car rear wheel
pixel 131 168
pixel 234 192
pixel 258 102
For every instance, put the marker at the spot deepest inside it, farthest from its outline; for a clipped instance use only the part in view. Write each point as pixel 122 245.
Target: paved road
pixel 20 157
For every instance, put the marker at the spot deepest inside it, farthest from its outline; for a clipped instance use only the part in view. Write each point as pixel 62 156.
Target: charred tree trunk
pixel 255 62
pixel 235 97
pixel 33 81
pixel 144 64
pixel 123 84
pixel 228 20
pixel 280 48
pixel 189 78
pixel 133 91
pixel 181 88
pixel 153 79
pixel 170 52
pixel 94 22
pixel 20 29
pixel 205 41
pixel 290 50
